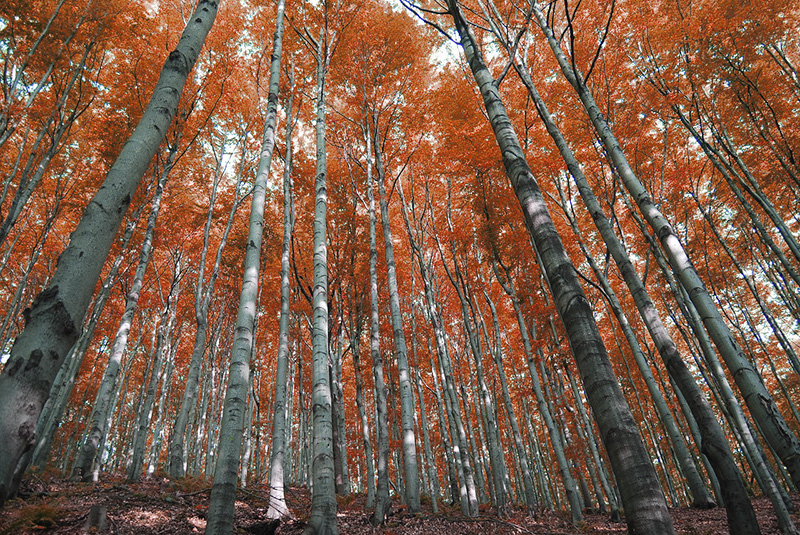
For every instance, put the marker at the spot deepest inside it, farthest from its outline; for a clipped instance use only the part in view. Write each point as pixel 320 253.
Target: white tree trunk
pixel 226 471
pixel 277 500
pixel 323 495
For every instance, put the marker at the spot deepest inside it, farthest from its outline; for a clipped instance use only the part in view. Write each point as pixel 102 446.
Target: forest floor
pixel 53 505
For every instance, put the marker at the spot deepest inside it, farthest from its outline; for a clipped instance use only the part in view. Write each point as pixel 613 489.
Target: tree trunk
pixel 524 462
pixel 409 443
pixel 433 476
pixel 162 345
pixel 277 500
pixel 570 486
pixel 323 495
pixel 226 470
pixel 53 409
pixel 643 499
pixel 383 503
pixel 203 294
pixel 57 313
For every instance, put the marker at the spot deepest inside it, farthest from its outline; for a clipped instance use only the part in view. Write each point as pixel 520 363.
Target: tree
pixel 226 472
pixel 52 324
pixel 644 502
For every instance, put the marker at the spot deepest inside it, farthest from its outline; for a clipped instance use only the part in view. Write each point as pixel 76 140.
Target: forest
pixel 437 258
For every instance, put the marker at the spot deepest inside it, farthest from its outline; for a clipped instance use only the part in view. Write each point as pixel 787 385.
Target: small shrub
pixel 43 516
pixel 343 502
pixel 189 484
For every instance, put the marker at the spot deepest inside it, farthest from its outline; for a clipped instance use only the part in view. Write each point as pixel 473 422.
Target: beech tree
pixel 537 337
pixel 642 495
pixel 53 321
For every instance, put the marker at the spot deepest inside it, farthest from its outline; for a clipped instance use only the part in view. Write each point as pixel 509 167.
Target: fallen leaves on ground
pixel 155 506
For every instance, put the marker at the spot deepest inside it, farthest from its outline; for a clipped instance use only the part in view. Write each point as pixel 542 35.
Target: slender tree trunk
pixel 164 332
pixel 161 407
pixel 56 126
pixel 323 495
pixel 226 470
pixel 203 295
pixel 383 504
pixel 58 311
pixel 433 476
pixel 524 462
pixel 277 500
pixel 409 444
pixel 96 430
pixel 362 415
pixel 643 499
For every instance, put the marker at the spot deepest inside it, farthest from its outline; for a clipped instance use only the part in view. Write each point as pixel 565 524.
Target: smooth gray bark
pixel 433 476
pixel 53 409
pixel 277 500
pixel 57 313
pixel 323 495
pixel 465 489
pixel 383 503
pixel 645 506
pixel 226 470
pixel 713 435
pixel 700 493
pixel 409 444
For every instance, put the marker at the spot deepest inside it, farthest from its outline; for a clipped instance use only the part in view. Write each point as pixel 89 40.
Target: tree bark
pixel 409 444
pixel 176 462
pixel 277 500
pixel 645 506
pixel 226 471
pixel 323 496
pixel 57 313
pixel 383 503
pixel 162 346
